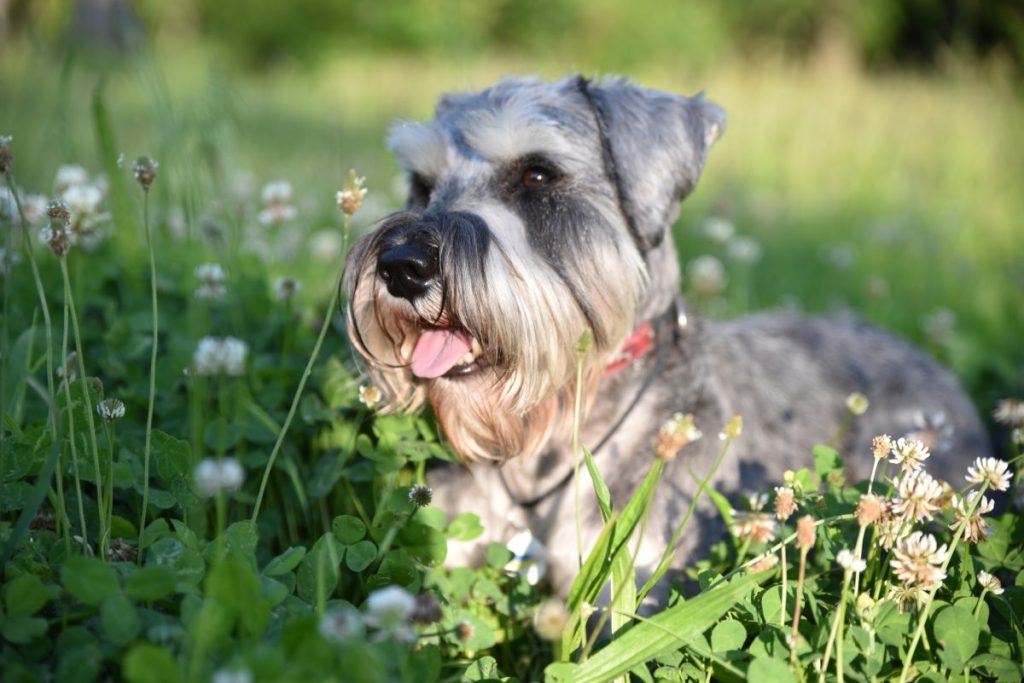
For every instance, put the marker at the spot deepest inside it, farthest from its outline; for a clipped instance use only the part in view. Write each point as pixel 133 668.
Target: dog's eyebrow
pixel 509 132
pixel 420 148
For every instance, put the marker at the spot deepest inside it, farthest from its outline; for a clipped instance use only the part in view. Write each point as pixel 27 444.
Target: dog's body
pixel 541 210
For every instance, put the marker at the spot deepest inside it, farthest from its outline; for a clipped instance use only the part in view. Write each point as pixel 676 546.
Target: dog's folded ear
pixel 658 143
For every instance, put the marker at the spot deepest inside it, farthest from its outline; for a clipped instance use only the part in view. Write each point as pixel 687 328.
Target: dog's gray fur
pixel 527 274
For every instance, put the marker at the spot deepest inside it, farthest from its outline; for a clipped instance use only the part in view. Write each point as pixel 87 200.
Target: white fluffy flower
pixel 850 562
pixel 389 610
pixel 69 175
pixel 213 476
pixel 277 208
pixel 220 356
pixel 213 277
pixel 707 275
pixel 992 471
pixel 909 454
pixel 916 560
pixel 110 409
pixel 990 583
pixel 744 249
pixel 917 495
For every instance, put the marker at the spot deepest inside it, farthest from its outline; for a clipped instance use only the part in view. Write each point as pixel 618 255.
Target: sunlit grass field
pixel 892 195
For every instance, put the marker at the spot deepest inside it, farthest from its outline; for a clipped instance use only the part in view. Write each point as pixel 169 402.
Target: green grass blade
pixel 604 496
pixel 126 233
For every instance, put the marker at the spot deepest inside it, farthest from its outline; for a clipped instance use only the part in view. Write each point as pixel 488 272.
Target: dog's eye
pixel 535 177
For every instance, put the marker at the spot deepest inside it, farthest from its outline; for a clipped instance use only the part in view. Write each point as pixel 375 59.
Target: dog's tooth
pixel 476 349
pixel 467 358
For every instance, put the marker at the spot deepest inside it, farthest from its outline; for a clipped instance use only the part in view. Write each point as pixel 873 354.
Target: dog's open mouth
pixel 445 352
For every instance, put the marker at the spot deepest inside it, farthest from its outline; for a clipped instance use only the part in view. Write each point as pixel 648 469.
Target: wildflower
pixel 733 428
pixel 718 229
pixel 1009 412
pixel 5 154
pixel 757 527
pixel 68 176
pixel 420 495
pixel 121 550
pixel 916 560
pixel 427 610
pixel 277 208
pixel 917 495
pixel 850 562
pixel 58 211
pixel 785 503
pixel 744 250
pixel 994 472
pixel 215 356
pixel 351 197
pixel 857 403
pixel 110 409
pixel 34 206
pixel 909 454
pixel 890 531
pixel 214 476
pixel 933 430
pixel 550 619
pixel 880 446
pixel 369 395
pixel 938 325
pixel 340 624
pixel 213 277
pixel 805 532
pixel 57 238
pixel 990 583
pixel 674 435
pixel 906 597
pixel 236 676
pixel 707 275
pixel 86 216
pixel 389 610
pixel 464 631
pixel 977 528
pixel 870 509
pixel 144 170
pixel 763 563
pixel 285 288
pixel 529 557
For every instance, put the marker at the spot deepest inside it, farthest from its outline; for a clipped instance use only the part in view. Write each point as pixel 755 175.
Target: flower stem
pixel 152 374
pixel 71 431
pixel 794 634
pixel 576 455
pixel 782 609
pixel 83 378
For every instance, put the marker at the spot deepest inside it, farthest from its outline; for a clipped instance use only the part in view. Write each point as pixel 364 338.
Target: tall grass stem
pixel 152 373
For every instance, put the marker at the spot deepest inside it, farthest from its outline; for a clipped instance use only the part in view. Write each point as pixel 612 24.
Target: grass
pixel 845 180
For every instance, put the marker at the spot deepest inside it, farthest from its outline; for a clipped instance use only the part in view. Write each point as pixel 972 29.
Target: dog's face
pixel 534 211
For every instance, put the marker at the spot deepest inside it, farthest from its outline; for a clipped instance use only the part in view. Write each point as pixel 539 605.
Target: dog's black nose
pixel 408 269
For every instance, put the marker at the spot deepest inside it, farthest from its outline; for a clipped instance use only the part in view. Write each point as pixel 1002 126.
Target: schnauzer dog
pixel 538 211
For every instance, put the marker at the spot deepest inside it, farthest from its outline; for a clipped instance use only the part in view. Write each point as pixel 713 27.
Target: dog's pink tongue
pixel 438 350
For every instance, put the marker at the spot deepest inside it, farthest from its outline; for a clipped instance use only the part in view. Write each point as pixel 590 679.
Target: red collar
pixel 635 347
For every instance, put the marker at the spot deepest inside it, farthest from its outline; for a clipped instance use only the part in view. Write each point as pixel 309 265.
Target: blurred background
pixel 874 158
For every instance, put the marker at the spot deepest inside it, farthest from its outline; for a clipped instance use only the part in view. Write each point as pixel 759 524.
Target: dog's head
pixel 536 211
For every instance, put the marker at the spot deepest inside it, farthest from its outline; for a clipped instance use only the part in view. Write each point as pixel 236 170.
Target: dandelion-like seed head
pixel 917 559
pixel 917 496
pixel 1009 412
pixel 857 403
pixel 674 435
pixel 870 508
pixel 420 495
pixel 850 562
pixel 110 409
pixel 214 476
pixel 212 276
pixel 990 583
pixel 805 532
pixel 909 454
pixel 881 446
pixel 551 619
pixel 6 157
pixel 369 395
pixel 285 288
pixel 992 471
pixel 785 503
pixel 707 275
pixel 350 198
pixel 976 527
pixel 144 170
pixel 216 356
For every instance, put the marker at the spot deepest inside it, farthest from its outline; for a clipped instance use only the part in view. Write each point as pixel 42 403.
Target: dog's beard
pixel 521 387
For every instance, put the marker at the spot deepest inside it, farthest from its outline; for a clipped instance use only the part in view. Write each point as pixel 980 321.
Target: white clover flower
pixel 744 249
pixel 213 476
pixel 110 409
pixel 977 527
pixel 285 288
pixel 341 624
pixel 68 176
pixel 213 277
pixel 994 472
pixel 718 229
pixel 916 560
pixel 909 454
pixel 707 275
pixel 236 676
pixel 850 562
pixel 917 495
pixel 785 502
pixel 1009 412
pixel 675 434
pixel 990 583
pixel 758 527
pixel 857 403
pixel 216 356
pixel 369 395
pixel 390 610
pixel 906 597
pixel 881 445
pixel 277 208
